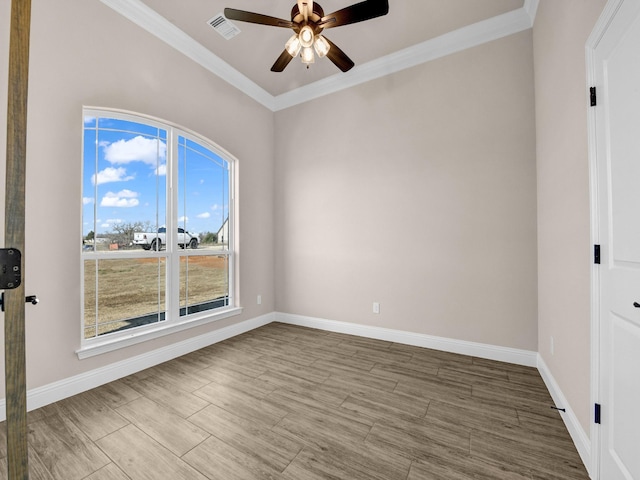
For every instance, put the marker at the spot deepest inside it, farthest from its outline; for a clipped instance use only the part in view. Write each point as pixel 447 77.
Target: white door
pixel 617 64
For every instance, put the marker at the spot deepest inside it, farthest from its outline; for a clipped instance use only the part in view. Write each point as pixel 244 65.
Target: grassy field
pixel 131 288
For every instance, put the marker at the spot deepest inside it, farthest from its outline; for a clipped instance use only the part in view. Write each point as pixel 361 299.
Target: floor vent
pixel 223 26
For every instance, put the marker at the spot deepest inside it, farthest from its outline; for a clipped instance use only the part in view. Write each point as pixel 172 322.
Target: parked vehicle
pixel 155 241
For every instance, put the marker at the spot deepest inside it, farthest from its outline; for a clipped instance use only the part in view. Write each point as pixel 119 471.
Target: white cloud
pixel 105 225
pixel 111 174
pixel 161 170
pixel 204 215
pixel 113 220
pixel 87 200
pixel 138 149
pixel 124 198
pixel 215 207
pixel 183 219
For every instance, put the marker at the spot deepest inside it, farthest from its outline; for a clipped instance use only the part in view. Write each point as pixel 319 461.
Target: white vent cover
pixel 223 26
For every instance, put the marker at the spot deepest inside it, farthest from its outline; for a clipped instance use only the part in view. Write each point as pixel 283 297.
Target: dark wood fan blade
pixel 282 62
pixel 358 12
pixel 338 57
pixel 250 17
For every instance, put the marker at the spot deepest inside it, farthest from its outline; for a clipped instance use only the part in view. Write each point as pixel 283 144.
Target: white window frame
pixel 173 321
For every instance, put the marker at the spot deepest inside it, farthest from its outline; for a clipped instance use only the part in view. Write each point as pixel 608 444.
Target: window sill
pixel 108 345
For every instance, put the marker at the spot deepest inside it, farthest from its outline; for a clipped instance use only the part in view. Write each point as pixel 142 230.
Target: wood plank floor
pixel 292 403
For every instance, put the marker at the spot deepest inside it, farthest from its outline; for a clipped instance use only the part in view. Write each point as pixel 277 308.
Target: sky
pixel 125 178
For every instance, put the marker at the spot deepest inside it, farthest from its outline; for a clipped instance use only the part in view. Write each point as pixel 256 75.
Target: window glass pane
pixel 90 156
pixel 204 283
pixel 90 313
pixel 90 122
pixel 118 124
pixel 203 194
pixel 124 183
pixel 127 293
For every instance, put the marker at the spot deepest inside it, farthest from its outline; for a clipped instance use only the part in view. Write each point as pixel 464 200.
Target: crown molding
pixel 447 44
pixel 531 7
pixel 157 25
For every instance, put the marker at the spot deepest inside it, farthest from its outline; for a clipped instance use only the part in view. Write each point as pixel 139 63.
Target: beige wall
pixel 417 191
pixel 565 253
pixel 83 53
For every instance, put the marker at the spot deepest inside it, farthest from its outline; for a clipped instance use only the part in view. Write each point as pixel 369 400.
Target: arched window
pixel 157 219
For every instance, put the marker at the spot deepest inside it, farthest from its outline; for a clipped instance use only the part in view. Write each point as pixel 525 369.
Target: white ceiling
pixel 413 32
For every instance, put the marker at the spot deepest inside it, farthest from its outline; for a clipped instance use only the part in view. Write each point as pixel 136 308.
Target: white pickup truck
pixel 155 241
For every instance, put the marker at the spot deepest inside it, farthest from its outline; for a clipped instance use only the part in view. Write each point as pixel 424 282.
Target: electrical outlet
pixel 376 307
pixel 259 300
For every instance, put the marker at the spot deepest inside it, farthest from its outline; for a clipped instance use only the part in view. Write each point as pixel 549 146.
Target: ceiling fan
pixel 308 22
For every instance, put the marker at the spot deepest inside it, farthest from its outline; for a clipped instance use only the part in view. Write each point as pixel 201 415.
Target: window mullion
pixel 231 215
pixel 173 259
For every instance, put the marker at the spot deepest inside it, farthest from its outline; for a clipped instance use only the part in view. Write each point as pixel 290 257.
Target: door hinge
pixel 592 92
pixel 596 416
pixel 596 254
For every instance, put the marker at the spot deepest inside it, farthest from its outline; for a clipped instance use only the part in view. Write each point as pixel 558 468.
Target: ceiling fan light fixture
pixel 306 36
pixel 293 46
pixel 321 46
pixel 308 21
pixel 307 55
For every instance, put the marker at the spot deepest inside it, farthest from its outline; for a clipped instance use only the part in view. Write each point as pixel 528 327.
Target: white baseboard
pixel 481 350
pixel 578 435
pixel 53 392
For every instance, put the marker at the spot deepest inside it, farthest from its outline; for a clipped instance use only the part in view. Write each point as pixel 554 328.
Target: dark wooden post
pixel 14 328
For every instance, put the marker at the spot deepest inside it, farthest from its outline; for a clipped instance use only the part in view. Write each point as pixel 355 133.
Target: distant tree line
pixel 208 237
pixel 122 233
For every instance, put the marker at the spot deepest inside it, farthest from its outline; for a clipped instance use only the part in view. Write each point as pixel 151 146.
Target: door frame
pixel 602 25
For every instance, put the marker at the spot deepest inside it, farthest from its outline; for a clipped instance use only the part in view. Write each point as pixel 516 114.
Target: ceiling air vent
pixel 223 26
